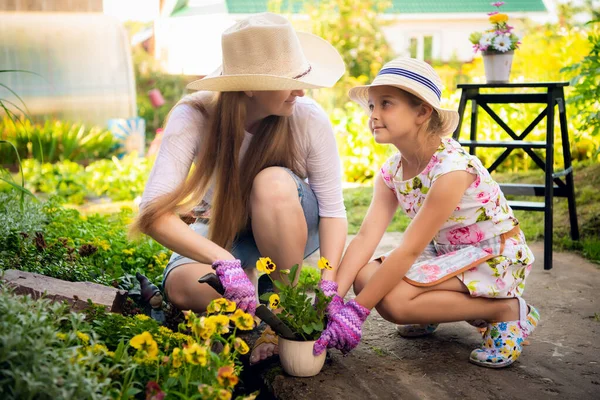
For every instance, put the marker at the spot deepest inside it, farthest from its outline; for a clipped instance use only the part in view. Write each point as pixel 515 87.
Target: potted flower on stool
pixel 497 46
pixel 304 315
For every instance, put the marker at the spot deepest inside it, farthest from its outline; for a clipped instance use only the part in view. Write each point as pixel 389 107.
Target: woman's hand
pixel 238 287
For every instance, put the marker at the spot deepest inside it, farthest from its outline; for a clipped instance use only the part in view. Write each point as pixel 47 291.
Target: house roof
pixel 188 8
pixel 402 6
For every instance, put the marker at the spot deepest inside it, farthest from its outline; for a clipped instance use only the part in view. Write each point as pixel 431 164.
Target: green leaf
pixel 19 187
pixel 318 326
pixel 265 296
pixel 279 285
pixel 308 329
pixel 293 272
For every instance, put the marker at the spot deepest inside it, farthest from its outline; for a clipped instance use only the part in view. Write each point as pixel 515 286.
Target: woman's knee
pixel 274 187
pixel 184 291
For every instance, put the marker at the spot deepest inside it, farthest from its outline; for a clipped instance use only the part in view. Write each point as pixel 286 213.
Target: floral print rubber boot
pixel 503 341
pixel 415 330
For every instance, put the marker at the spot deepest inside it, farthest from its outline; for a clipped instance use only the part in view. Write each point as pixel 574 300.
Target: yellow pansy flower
pixel 240 346
pixel 226 376
pixel 195 354
pixel 274 301
pixel 324 264
pixel 83 337
pixel 242 320
pixel 146 343
pixel 219 305
pixel 266 265
pixel 203 327
pixel 221 323
pixel 177 357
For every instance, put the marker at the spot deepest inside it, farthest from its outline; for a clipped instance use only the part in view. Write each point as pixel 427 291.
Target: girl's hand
pixel 344 329
pixel 238 287
pixel 330 289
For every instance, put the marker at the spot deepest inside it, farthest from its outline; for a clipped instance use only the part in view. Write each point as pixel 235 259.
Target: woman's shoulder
pixel 308 112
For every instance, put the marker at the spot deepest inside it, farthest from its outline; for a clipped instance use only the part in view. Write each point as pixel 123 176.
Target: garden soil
pixel 562 360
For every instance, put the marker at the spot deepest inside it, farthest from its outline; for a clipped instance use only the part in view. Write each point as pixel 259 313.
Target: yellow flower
pixel 264 264
pixel 83 337
pixel 498 18
pixel 242 320
pixel 177 357
pixel 164 330
pixel 204 327
pixel 142 317
pixel 99 349
pixel 206 390
pixel 195 354
pixel 128 252
pixel 224 394
pixel 219 305
pixel 61 336
pixel 274 301
pixel 240 346
pixel 145 343
pixel 324 264
pixel 221 323
pixel 514 329
pixel 226 376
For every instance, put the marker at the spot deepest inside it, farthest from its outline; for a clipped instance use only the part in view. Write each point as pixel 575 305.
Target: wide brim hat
pixel 264 52
pixel 416 77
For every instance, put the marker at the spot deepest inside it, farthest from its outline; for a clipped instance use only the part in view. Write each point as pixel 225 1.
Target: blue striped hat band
pixel 414 76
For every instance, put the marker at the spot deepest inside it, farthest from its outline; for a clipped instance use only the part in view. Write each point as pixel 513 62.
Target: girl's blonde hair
pixel 273 144
pixel 434 124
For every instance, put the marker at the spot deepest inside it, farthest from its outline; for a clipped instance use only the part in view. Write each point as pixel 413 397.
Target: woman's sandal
pixel 503 341
pixel 268 336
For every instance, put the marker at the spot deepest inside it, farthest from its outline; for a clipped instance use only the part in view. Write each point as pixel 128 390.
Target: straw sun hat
pixel 263 52
pixel 416 77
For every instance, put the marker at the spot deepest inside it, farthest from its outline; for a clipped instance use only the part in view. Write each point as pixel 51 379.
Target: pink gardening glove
pixel 237 286
pixel 344 329
pixel 329 289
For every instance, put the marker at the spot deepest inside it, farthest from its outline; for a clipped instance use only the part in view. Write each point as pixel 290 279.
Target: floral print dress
pixel 480 243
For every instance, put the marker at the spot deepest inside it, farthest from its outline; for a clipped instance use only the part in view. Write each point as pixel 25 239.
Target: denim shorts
pixel 244 247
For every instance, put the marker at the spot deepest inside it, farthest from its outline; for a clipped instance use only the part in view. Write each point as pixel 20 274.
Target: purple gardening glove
pixel 237 286
pixel 344 329
pixel 329 289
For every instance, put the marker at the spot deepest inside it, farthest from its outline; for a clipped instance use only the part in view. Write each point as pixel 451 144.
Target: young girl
pixel 255 142
pixel 463 256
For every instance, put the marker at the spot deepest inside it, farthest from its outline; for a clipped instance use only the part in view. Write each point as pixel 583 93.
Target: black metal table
pixel 553 186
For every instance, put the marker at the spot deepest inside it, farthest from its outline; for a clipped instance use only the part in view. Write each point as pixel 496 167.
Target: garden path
pixel 562 360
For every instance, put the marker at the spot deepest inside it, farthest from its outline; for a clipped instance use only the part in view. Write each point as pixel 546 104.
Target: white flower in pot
pixel 497 46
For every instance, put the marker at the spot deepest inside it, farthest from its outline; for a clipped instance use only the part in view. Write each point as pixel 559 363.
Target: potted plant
pixel 497 45
pixel 302 313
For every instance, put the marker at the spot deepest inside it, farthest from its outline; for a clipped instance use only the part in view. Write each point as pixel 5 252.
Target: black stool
pixel 554 186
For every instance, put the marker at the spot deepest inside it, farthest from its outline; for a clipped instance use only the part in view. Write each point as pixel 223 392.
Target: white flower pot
pixel 297 358
pixel 497 66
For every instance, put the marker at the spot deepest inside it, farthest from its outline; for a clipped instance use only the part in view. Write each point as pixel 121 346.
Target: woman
pixel 254 140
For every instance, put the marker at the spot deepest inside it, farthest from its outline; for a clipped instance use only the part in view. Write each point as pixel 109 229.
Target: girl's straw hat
pixel 416 77
pixel 263 52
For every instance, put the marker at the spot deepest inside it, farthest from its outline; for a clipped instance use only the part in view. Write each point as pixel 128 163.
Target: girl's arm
pixel 442 199
pixel 381 211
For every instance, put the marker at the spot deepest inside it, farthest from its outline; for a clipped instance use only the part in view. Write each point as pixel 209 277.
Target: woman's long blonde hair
pixel 273 144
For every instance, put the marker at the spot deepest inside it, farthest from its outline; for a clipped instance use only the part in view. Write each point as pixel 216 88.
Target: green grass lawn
pixel 587 192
